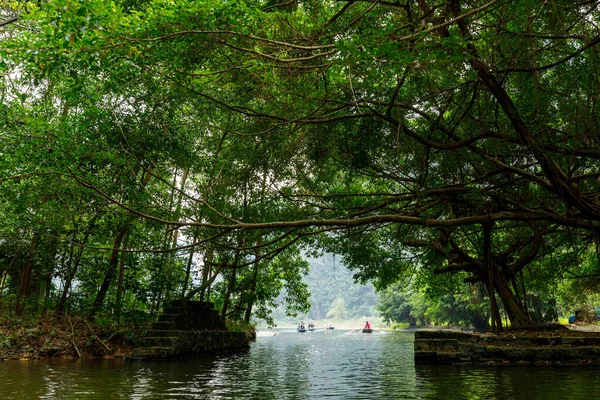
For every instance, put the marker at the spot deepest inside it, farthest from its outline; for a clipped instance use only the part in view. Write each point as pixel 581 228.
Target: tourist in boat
pixel 367 325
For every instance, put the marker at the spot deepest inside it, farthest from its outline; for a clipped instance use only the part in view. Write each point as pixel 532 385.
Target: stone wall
pixel 195 315
pixel 444 347
pixel 189 329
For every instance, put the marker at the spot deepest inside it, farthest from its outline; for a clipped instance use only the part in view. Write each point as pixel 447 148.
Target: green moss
pixel 240 326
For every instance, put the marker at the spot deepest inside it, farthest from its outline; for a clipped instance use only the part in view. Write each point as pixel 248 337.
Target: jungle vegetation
pixel 158 149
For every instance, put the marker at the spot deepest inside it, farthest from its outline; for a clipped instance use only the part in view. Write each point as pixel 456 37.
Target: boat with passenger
pixel 311 326
pixel 301 327
pixel 367 328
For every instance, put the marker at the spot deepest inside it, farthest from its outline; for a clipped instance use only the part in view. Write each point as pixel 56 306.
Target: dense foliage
pixel 158 149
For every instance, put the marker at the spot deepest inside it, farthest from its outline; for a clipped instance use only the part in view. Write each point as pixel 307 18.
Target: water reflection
pixel 508 382
pixel 337 364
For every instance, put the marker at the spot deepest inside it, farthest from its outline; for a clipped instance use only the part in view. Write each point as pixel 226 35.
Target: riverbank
pixel 66 337
pixel 75 337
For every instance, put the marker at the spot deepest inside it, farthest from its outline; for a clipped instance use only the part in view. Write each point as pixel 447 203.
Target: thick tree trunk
pixel 110 272
pixel 517 316
pixel 491 273
pixel 480 322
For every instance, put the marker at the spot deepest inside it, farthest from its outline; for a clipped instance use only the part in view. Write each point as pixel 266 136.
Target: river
pixel 337 364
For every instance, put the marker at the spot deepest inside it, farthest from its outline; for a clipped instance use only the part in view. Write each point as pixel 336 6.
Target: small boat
pixel 330 327
pixel 311 327
pixel 301 329
pixel 367 330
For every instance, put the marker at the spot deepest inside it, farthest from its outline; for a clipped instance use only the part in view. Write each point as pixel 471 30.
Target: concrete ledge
pixel 443 347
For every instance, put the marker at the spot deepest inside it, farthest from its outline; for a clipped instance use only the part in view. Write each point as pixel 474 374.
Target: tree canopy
pixel 456 135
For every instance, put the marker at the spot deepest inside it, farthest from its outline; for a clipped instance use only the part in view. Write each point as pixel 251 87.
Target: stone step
pixel 165 333
pixel 178 303
pixel 168 317
pixel 162 325
pixel 152 353
pixel 175 310
pixel 159 341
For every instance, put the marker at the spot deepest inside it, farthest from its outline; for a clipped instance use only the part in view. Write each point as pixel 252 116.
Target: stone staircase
pixel 187 329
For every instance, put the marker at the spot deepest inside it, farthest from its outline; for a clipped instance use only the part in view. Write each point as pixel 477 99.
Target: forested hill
pixel 333 292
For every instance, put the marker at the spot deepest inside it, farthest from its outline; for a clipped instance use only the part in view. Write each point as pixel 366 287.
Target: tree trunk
pixel 120 280
pixel 525 307
pixel 515 313
pixel 208 257
pixel 491 272
pixel 480 322
pixel 26 277
pixel 232 281
pixel 72 271
pixel 252 296
pixel 110 272
pixel 178 205
pixel 4 274
pixel 49 272
pixel 230 287
pixel 188 271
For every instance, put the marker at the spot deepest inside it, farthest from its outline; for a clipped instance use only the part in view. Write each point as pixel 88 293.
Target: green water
pixel 334 364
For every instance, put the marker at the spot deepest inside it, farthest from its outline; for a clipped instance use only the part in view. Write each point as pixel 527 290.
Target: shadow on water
pixel 331 364
pixel 508 382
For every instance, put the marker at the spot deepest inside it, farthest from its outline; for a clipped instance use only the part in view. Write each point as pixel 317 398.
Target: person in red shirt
pixel 367 325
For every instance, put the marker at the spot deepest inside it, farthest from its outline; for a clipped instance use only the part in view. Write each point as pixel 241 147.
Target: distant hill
pixel 334 294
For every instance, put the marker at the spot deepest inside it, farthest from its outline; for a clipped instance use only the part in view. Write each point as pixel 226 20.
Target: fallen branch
pixel 96 336
pixel 73 334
